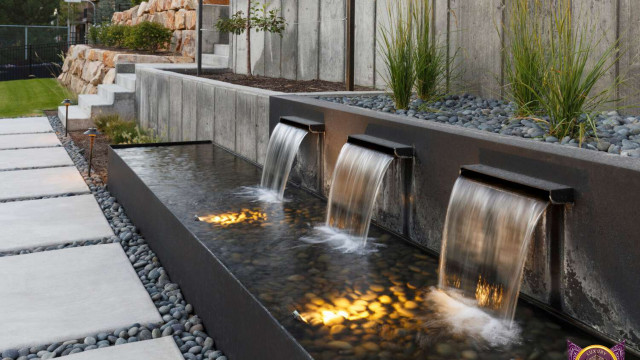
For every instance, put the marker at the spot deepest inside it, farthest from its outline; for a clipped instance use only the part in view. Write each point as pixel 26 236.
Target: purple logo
pixel 595 352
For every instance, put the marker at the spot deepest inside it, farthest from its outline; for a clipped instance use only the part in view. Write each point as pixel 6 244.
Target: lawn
pixel 30 97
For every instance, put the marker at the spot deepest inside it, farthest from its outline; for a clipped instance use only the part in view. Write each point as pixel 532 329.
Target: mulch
pixel 282 85
pixel 100 161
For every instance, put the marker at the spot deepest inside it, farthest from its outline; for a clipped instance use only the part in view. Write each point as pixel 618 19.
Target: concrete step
pixel 87 101
pixel 221 49
pixel 79 119
pixel 215 60
pixel 114 92
pixel 127 81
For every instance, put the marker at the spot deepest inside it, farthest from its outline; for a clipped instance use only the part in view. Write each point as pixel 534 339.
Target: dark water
pixel 356 306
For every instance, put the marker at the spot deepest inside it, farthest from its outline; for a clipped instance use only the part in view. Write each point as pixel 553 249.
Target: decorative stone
pixel 180 19
pixel 190 22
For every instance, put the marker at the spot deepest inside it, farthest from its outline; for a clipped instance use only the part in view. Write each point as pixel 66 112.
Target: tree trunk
pixel 248 30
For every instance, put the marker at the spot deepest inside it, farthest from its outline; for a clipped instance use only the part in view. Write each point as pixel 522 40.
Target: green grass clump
pixel 554 71
pixel 526 61
pixel 430 57
pixel 398 53
pixel 30 97
pixel 122 131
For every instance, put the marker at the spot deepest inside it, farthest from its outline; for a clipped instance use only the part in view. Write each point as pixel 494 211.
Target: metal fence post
pixel 26 42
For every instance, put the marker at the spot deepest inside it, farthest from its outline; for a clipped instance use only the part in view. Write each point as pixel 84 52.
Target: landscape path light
pixel 66 103
pixel 92 133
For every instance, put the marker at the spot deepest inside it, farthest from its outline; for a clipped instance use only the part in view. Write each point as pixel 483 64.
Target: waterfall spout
pixel 354 189
pixel 283 147
pixel 485 242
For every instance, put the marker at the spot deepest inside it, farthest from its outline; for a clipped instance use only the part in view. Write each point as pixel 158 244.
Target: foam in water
pixel 354 189
pixel 260 194
pixel 485 242
pixel 283 147
pixel 460 316
pixel 340 240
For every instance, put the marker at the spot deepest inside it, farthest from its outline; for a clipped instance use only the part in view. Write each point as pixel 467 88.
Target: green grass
pixel 30 97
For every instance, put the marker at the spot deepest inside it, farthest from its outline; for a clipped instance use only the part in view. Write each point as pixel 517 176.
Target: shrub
pixel 431 62
pixel 94 34
pixel 398 54
pixel 525 58
pixel 114 35
pixel 122 131
pixel 148 36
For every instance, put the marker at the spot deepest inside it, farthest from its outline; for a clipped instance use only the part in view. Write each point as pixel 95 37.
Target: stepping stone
pixel 22 184
pixel 158 349
pixel 25 141
pixel 34 158
pixel 54 296
pixel 27 125
pixel 33 223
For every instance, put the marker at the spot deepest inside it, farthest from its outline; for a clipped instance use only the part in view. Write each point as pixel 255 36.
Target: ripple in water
pixel 341 240
pixel 260 194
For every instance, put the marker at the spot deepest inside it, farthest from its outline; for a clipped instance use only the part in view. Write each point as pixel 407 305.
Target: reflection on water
pixel 244 216
pixel 357 306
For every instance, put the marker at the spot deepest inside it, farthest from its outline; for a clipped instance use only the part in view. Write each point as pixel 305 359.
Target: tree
pixel 27 12
pixel 259 19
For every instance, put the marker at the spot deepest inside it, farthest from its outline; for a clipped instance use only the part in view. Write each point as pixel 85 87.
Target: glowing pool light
pixel 232 218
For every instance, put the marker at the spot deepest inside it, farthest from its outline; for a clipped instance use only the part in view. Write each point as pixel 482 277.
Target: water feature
pixel 283 147
pixel 485 243
pixel 354 189
pixel 367 306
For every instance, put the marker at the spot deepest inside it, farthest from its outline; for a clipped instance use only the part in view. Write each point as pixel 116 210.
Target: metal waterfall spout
pixel 283 147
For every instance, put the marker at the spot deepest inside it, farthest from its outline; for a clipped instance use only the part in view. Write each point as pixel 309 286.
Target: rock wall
pixel 178 15
pixel 85 67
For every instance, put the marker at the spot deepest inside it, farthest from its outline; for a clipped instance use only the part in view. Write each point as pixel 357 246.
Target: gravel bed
pixel 615 134
pixel 179 320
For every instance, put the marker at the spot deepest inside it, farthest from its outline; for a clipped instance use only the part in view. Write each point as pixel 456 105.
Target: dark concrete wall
pixel 585 269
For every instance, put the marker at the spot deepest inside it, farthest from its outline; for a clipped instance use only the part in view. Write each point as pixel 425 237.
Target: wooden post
pixel 200 11
pixel 351 37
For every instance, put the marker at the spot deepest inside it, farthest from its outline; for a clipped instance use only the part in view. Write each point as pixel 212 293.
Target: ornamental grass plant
pixel 397 50
pixel 430 61
pixel 554 68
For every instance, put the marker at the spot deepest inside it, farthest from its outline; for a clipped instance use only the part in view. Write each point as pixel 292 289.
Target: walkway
pixel 51 299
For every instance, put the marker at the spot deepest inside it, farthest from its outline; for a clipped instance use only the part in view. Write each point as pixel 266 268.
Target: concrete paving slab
pixel 28 125
pixel 25 141
pixel 157 349
pixel 34 158
pixel 55 296
pixel 22 184
pixel 33 223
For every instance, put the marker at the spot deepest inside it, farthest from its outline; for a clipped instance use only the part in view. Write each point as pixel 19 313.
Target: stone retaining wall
pixel 178 15
pixel 85 67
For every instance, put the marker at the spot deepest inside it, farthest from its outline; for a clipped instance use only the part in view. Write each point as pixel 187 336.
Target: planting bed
pixel 266 292
pixel 615 134
pixel 280 84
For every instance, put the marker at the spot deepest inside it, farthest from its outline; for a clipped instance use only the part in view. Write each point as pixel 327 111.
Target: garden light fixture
pixel 92 133
pixel 66 104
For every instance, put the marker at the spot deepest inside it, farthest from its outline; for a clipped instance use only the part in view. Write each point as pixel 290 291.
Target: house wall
pixel 312 46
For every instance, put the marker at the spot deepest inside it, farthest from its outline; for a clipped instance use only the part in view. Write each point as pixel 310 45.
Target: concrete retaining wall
pixel 312 47
pixel 181 107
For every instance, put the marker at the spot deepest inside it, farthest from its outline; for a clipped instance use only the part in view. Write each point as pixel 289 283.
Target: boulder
pixel 97 78
pixel 152 6
pixel 77 67
pixel 180 59
pixel 142 8
pixel 117 17
pixel 190 4
pixel 176 41
pixel 67 64
pixel 139 58
pixel 190 20
pixel 189 43
pixel 107 58
pixel 91 69
pixel 180 20
pixel 109 77
pixel 94 54
pixel 170 17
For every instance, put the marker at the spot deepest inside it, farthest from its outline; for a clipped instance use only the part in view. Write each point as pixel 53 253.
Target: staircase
pixel 118 98
pixel 220 56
